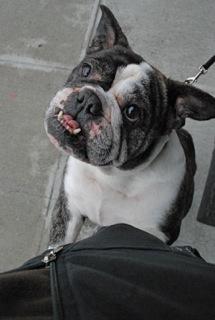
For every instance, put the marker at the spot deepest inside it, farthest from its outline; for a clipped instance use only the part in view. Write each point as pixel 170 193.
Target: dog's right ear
pixel 108 33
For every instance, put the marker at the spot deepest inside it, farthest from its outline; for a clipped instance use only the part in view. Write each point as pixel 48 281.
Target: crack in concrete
pixel 23 62
pixel 53 187
pixel 24 192
pixel 90 29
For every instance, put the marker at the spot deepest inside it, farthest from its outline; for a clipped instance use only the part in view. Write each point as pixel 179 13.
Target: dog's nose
pixel 90 102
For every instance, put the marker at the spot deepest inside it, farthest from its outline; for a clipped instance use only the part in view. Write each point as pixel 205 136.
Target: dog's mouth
pixel 66 132
pixel 67 121
pixel 86 139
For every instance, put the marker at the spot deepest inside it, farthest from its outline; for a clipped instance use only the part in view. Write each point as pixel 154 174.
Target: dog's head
pixel 115 107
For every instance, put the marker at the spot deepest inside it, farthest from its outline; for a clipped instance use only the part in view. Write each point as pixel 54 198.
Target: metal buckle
pixel 191 80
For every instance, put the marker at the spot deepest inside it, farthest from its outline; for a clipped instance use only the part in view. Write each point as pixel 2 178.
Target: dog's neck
pixel 157 150
pixel 154 154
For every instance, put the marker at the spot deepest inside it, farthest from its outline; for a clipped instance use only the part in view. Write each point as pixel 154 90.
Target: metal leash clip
pixel 202 70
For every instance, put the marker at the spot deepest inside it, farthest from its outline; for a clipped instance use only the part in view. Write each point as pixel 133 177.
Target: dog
pixel 120 120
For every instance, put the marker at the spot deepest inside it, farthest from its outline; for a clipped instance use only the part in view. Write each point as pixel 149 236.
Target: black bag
pixel 123 273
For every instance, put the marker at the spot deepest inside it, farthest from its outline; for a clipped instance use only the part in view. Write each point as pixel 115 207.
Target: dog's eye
pixel 86 69
pixel 132 112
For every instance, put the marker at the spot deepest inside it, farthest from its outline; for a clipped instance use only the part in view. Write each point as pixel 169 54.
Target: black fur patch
pixel 60 219
pixel 171 227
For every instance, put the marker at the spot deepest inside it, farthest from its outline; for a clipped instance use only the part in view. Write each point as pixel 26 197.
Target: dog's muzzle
pixel 85 102
pixel 88 102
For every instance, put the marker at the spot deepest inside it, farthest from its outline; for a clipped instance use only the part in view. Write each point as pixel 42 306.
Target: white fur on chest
pixel 141 197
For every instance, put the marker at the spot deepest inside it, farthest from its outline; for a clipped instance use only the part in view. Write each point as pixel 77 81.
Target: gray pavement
pixel 39 42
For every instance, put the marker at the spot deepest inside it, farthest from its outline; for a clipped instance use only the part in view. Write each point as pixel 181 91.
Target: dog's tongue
pixel 70 122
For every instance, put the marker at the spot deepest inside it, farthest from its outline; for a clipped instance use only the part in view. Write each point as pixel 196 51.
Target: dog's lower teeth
pixel 69 128
pixel 76 131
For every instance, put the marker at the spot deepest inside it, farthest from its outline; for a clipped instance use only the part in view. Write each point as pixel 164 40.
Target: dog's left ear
pixel 187 101
pixel 108 33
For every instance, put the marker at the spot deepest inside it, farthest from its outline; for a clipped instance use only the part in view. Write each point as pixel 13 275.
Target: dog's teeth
pixel 76 131
pixel 60 115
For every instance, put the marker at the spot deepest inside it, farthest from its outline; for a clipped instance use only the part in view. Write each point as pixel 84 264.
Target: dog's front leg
pixel 73 228
pixel 65 225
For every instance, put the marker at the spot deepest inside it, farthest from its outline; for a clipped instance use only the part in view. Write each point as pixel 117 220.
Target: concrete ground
pixel 40 41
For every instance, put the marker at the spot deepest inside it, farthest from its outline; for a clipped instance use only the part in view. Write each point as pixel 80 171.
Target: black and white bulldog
pixel 120 121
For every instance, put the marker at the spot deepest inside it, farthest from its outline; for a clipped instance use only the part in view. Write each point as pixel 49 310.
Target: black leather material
pixel 125 273
pixel 119 273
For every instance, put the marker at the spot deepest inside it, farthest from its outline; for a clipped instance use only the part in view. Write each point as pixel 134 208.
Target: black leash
pixel 202 70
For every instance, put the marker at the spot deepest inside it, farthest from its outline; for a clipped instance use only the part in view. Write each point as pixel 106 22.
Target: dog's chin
pixel 99 156
pixel 63 140
pixel 98 150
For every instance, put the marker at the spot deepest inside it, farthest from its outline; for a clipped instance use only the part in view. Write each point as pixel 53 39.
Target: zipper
pixel 51 255
pixel 50 262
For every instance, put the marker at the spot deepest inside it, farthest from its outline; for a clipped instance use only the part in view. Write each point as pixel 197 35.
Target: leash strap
pixel 202 70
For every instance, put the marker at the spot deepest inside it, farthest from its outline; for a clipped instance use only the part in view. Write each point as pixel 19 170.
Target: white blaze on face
pixel 127 77
pixel 61 97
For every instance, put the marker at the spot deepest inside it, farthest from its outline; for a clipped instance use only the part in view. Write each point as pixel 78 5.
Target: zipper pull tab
pixel 51 255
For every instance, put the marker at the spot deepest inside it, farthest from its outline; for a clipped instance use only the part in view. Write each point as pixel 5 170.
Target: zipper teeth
pixel 55 294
